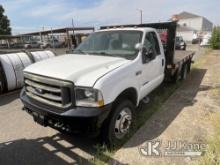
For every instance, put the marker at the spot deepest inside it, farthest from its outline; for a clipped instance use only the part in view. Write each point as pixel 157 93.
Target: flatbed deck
pixel 181 56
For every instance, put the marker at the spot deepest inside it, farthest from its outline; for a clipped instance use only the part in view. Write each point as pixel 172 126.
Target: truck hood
pixel 82 70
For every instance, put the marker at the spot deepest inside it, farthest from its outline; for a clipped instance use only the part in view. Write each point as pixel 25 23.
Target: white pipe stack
pixel 13 65
pixel 42 55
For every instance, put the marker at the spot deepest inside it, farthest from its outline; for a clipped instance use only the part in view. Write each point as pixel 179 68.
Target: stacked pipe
pixel 12 66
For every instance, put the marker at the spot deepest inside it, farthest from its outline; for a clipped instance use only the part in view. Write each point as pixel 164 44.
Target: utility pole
pixel 41 39
pixel 73 37
pixel 52 37
pixel 73 25
pixel 141 15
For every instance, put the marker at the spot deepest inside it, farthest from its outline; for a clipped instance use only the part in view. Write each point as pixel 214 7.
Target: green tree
pixel 4 23
pixel 215 39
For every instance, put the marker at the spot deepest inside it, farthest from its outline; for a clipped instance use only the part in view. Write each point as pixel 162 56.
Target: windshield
pixel 179 39
pixel 111 43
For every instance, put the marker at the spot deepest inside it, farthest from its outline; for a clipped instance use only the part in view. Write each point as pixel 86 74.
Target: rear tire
pixel 175 77
pixel 184 71
pixel 117 127
pixel 189 67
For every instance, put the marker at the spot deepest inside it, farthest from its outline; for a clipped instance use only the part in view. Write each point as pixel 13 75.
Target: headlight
pixel 88 97
pixel 182 43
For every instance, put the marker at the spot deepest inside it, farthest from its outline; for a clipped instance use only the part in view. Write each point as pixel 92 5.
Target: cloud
pixel 46 10
pixel 14 5
pixel 125 11
pixel 54 13
pixel 107 11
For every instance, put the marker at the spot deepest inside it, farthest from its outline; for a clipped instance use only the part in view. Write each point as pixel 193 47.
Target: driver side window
pixel 151 43
pixel 147 42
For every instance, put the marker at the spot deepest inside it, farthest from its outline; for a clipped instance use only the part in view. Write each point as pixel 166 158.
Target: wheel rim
pixel 123 123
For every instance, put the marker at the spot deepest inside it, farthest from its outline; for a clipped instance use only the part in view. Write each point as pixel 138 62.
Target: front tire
pixel 119 123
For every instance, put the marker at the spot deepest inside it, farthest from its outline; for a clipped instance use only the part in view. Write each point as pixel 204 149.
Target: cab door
pixel 152 66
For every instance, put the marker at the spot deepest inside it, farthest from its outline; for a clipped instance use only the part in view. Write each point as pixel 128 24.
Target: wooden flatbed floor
pixel 181 56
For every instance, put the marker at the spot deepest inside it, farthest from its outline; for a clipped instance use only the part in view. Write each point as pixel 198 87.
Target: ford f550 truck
pixel 99 86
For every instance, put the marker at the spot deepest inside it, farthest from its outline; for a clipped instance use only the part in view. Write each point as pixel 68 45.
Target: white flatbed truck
pixel 100 84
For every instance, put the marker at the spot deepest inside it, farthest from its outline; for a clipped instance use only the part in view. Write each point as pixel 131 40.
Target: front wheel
pixel 119 124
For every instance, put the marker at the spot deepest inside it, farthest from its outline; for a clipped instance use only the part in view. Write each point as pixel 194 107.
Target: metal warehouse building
pixel 191 24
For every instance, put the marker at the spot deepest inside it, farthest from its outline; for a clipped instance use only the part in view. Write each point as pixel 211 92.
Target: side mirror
pixel 148 54
pixel 139 46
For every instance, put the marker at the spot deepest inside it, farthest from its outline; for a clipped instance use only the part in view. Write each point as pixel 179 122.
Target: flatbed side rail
pixel 171 69
pixel 183 60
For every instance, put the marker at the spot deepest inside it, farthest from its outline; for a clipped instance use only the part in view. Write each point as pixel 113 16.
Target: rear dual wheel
pixel 182 74
pixel 185 70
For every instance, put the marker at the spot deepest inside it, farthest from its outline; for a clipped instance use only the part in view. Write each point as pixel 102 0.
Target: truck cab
pixel 99 86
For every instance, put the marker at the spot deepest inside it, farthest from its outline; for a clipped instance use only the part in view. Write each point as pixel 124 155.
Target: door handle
pixel 162 62
pixel 138 72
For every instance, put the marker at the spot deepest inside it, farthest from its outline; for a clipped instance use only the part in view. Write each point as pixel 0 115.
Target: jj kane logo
pixel 172 149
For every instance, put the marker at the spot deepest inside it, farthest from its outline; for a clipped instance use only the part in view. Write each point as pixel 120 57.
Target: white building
pixel 191 24
pixel 187 33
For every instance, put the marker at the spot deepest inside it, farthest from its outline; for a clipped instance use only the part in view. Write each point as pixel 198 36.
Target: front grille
pixel 49 91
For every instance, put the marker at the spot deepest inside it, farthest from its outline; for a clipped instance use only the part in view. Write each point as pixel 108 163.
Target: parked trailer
pixel 12 66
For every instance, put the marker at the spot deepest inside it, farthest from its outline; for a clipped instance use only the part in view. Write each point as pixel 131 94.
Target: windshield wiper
pixel 80 51
pixel 102 53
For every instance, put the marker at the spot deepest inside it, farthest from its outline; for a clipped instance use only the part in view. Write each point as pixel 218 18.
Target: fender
pixel 119 80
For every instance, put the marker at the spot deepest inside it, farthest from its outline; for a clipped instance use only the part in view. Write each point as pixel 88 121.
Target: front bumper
pixel 77 119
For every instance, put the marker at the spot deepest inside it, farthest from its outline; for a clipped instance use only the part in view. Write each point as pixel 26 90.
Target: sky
pixel 34 15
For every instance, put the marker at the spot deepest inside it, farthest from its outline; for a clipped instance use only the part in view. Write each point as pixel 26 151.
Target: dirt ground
pixel 184 117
